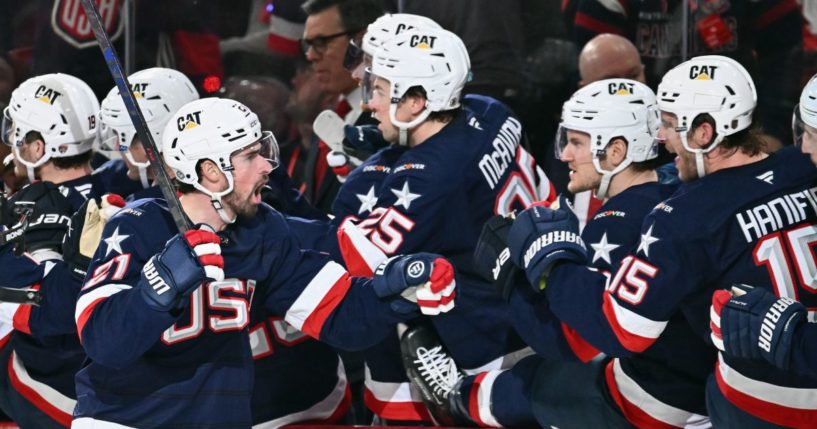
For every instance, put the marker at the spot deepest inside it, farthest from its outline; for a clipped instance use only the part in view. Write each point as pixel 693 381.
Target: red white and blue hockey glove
pixel 752 323
pixel 423 280
pixel 540 237
pixel 174 273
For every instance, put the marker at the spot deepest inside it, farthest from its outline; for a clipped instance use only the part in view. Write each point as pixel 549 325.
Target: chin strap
pixel 215 198
pixel 699 153
pixel 607 175
pixel 404 127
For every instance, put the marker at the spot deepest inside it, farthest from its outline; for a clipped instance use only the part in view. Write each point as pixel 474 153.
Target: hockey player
pixel 726 224
pixel 160 92
pixel 412 196
pixel 51 125
pixel 769 326
pixel 48 144
pixel 608 138
pixel 170 348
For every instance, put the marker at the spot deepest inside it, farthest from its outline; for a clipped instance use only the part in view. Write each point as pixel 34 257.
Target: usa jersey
pixel 193 368
pixel 46 351
pixel 297 379
pixel 749 224
pixel 609 236
pixel 435 197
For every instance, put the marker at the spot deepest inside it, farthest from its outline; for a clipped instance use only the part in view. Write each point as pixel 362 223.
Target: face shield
pixel 109 139
pixel 7 128
pixel 367 84
pixel 269 149
pixel 804 134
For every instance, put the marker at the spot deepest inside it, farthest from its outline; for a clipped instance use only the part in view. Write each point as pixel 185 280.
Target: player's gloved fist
pixel 86 229
pixel 753 323
pixel 540 237
pixel 492 258
pixel 363 140
pixel 423 280
pixel 340 164
pixel 186 261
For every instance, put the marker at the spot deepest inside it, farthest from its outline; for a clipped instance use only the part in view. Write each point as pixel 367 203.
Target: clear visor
pixel 7 128
pixel 367 84
pixel 269 148
pixel 108 139
pixel 354 55
pixel 802 133
pixel 560 141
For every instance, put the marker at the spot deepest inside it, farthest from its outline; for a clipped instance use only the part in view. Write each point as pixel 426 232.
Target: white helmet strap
pixel 216 197
pixel 142 167
pixel 405 126
pixel 699 152
pixel 607 175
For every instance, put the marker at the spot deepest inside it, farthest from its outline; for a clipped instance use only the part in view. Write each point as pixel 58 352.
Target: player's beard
pixel 242 204
pixel 584 178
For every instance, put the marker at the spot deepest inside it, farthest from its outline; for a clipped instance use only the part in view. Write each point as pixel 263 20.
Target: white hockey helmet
pixel 805 113
pixel 61 107
pixel 711 84
pixel 433 59
pixel 160 92
pixel 214 129
pixel 390 25
pixel 381 30
pixel 609 109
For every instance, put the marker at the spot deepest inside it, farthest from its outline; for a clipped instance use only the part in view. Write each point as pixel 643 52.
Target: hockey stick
pixel 136 116
pixel 20 296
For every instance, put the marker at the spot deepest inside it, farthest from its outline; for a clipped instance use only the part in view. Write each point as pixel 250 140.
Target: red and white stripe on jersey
pixel 360 254
pixel 479 399
pixel 17 315
pixel 394 401
pixel 785 406
pixel 88 301
pixel 329 410
pixel 634 331
pixel 583 350
pixel 545 191
pixel 319 299
pixel 639 407
pixel 51 402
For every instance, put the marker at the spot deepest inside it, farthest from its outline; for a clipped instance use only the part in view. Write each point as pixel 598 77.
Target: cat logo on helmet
pixel 188 121
pixel 702 72
pixel 139 89
pixel 46 94
pixel 422 41
pixel 402 27
pixel 620 88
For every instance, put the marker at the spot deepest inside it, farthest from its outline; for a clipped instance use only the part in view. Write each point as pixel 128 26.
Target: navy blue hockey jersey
pixel 609 236
pixel 750 224
pixel 297 378
pixel 194 369
pixel 46 351
pixel 435 197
